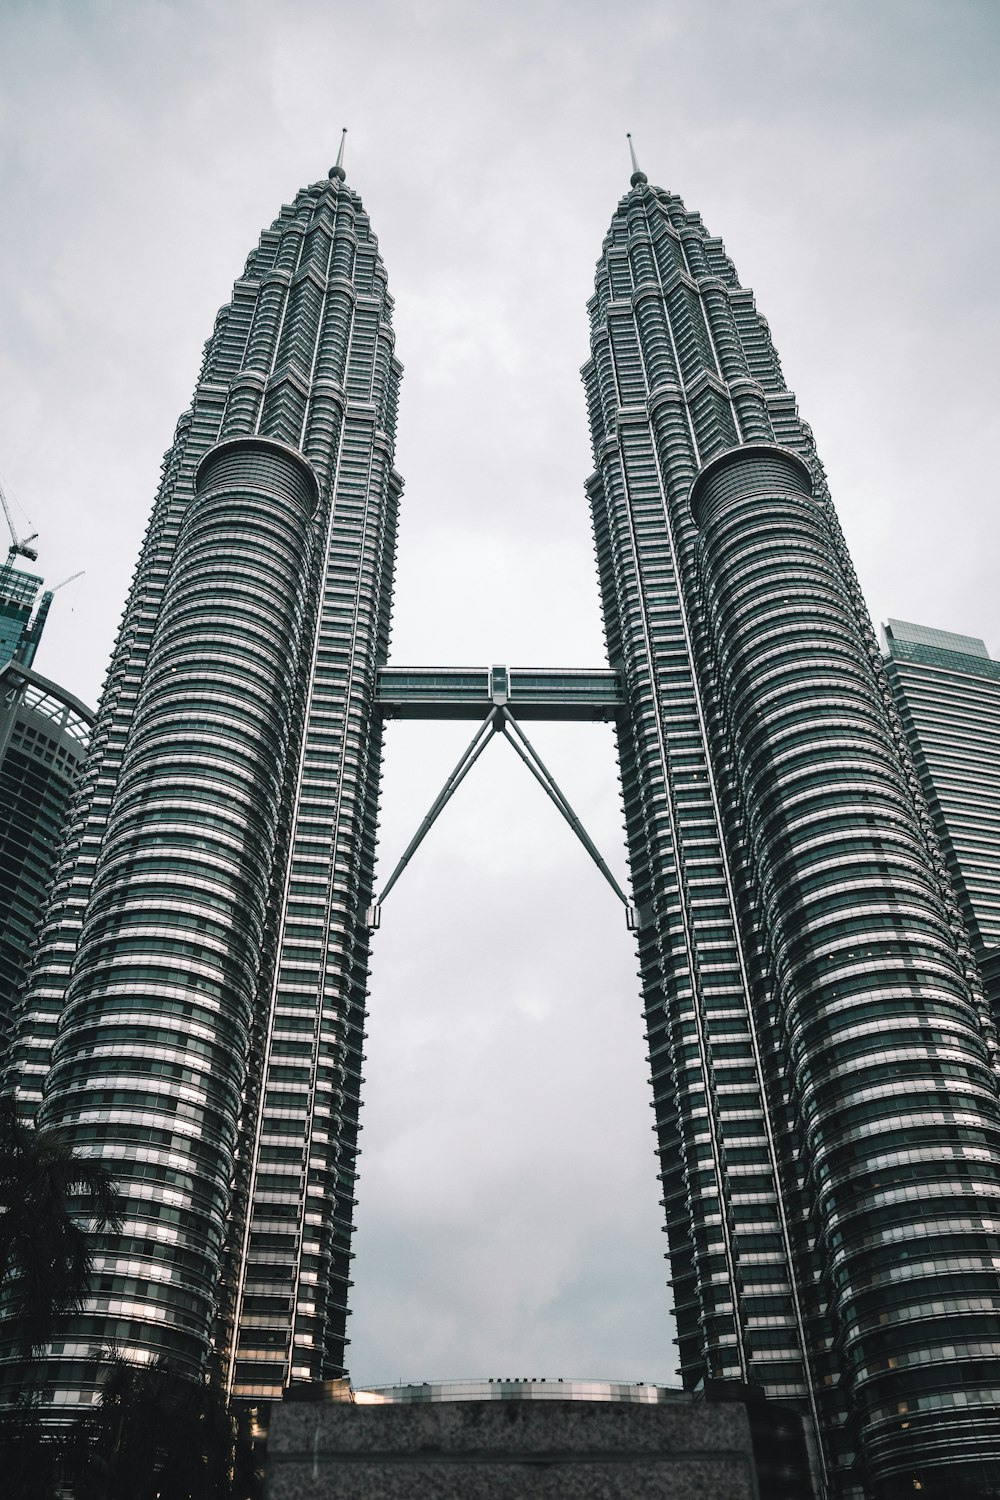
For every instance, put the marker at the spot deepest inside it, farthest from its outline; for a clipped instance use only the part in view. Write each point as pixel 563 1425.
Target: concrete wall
pixel 510 1450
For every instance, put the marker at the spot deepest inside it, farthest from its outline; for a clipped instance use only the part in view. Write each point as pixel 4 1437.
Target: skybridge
pixel 570 693
pixel 499 698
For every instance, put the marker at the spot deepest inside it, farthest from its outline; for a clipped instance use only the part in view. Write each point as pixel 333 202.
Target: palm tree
pixel 29 1456
pixel 46 1190
pixel 159 1435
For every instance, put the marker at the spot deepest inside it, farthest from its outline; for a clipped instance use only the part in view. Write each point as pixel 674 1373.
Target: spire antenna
pixel 338 170
pixel 637 174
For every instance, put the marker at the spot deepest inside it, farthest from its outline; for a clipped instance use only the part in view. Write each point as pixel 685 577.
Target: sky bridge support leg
pixel 501 719
pixel 518 741
pixel 474 750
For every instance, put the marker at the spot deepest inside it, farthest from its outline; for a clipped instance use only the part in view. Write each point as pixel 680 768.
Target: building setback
pixel 823 1059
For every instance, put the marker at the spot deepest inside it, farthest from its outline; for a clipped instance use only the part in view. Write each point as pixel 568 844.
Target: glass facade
pixel 43 739
pixel 469 693
pixel 196 1011
pixel 822 1058
pixel 947 691
pixel 19 633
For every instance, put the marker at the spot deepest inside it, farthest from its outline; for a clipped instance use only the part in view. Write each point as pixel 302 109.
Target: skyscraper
pixel 823 1061
pixel 947 690
pixel 195 1017
pixel 823 1058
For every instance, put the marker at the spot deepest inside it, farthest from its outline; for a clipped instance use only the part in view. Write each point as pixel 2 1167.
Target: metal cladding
pixel 823 1062
pixel 155 1032
pixel 947 690
pixel 196 1013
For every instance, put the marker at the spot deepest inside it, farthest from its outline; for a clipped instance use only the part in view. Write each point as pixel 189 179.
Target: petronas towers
pixel 824 1063
pixel 823 1058
pixel 196 1013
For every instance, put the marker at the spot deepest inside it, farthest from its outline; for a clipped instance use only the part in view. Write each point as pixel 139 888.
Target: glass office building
pixel 824 1064
pixel 20 631
pixel 43 738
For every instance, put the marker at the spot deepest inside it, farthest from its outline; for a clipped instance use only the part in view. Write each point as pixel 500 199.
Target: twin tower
pixel 824 1065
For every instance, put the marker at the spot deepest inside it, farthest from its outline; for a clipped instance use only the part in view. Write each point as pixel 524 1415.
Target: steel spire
pixel 637 175
pixel 338 170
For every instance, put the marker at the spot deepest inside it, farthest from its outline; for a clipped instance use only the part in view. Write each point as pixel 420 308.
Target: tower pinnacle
pixel 637 175
pixel 338 170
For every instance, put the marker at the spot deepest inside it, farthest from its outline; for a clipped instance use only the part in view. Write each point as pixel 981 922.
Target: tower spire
pixel 338 170
pixel 637 175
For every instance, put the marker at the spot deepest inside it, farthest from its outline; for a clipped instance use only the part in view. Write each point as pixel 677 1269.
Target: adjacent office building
pixel 823 1058
pixel 43 738
pixel 947 690
pixel 20 629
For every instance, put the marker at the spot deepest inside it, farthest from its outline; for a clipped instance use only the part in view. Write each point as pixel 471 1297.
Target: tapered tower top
pixel 338 170
pixel 637 175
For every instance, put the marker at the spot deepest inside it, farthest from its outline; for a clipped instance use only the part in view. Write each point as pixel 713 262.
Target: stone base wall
pixel 510 1450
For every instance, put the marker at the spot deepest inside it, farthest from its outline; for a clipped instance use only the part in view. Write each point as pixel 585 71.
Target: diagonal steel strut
pixel 470 755
pixel 547 781
pixel 500 719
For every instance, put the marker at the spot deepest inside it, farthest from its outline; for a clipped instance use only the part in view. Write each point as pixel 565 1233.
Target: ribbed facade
pixel 196 1015
pixel 947 690
pixel 822 1058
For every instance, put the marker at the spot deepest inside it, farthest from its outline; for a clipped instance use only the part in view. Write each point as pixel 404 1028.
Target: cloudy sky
pixel 847 152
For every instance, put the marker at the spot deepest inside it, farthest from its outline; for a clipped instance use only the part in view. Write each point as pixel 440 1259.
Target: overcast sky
pixel 846 152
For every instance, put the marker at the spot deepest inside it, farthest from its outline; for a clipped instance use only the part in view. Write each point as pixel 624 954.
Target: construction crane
pixel 19 546
pixel 28 645
pixel 72 577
